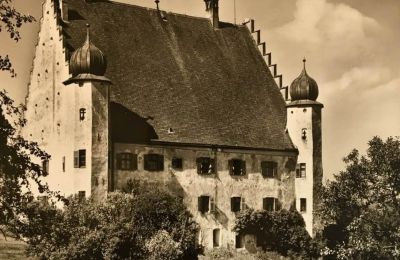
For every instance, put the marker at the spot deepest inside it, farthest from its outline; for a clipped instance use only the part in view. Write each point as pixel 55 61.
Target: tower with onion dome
pixel 87 67
pixel 304 126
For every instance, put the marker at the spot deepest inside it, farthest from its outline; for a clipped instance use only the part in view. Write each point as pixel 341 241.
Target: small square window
pixel 301 170
pixel 205 165
pixel 153 162
pixel 177 163
pixel 237 167
pixel 269 169
pixel 127 161
pixel 303 205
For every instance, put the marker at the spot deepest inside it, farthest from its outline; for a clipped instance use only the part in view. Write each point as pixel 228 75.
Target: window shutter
pixel 233 204
pixel 278 205
pixel 198 163
pixel 243 204
pixel 243 167
pixel 275 170
pixel 206 203
pixel 211 166
pixel 230 166
pixel 212 204
pixel 160 162
pixel 146 162
pixel 76 159
pixel 134 163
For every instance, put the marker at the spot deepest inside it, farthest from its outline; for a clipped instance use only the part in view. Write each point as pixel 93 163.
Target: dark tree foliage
pixel 361 207
pixel 10 21
pixel 124 226
pixel 17 167
pixel 281 231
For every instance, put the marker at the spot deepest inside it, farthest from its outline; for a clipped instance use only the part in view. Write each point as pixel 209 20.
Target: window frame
pixel 203 163
pixel 276 205
pixel 303 205
pixel 269 169
pixel 153 162
pixel 80 158
pixel 301 170
pixel 127 161
pixel 237 167
pixel 82 114
pixel 204 203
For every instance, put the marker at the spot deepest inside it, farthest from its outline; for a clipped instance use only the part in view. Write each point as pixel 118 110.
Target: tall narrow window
pixel 204 204
pixel 301 170
pixel 80 159
pixel 45 166
pixel 239 241
pixel 63 163
pixel 205 165
pixel 153 162
pixel 82 113
pixel 236 204
pixel 237 167
pixel 216 233
pixel 271 204
pixel 303 205
pixel 127 161
pixel 269 169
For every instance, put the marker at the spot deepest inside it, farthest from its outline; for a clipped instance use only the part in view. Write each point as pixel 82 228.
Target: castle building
pixel 120 92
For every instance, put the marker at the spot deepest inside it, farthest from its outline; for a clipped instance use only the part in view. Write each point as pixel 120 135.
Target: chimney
pixel 212 9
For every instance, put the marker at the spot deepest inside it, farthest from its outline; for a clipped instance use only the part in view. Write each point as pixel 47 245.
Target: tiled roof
pixel 207 86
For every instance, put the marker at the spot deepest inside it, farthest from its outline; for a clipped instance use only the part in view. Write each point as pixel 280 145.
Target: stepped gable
pixel 177 72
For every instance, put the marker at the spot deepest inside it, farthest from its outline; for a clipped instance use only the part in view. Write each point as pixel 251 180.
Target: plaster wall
pixel 221 186
pixel 53 109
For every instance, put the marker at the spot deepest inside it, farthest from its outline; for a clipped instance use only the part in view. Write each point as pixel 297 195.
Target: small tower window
pixel 301 170
pixel 269 169
pixel 82 113
pixel 303 204
pixel 205 165
pixel 237 167
pixel 63 163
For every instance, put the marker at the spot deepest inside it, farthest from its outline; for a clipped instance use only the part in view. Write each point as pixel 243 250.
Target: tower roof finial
pixel 87 32
pixel 304 63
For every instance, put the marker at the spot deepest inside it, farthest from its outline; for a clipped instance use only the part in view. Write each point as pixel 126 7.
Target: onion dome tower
pixel 87 63
pixel 89 113
pixel 304 127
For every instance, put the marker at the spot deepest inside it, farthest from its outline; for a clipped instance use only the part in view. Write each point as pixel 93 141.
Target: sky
pixel 352 50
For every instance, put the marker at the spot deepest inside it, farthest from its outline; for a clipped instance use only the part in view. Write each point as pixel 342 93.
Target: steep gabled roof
pixel 207 86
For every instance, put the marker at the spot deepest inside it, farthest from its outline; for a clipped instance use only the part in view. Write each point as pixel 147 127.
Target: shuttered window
pixel 271 204
pixel 301 170
pixel 153 162
pixel 237 167
pixel 80 159
pixel 127 161
pixel 269 169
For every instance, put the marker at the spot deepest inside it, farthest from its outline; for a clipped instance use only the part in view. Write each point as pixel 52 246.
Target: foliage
pixel 219 253
pixel 11 20
pixel 361 207
pixel 17 169
pixel 281 231
pixel 124 226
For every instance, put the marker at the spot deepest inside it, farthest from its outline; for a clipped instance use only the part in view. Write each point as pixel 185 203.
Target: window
pixel 80 159
pixel 237 167
pixel 45 166
pixel 238 204
pixel 269 169
pixel 301 170
pixel 153 162
pixel 204 203
pixel 63 163
pixel 239 241
pixel 304 133
pixel 216 234
pixel 205 165
pixel 81 195
pixel 303 205
pixel 127 161
pixel 82 113
pixel 177 164
pixel 271 204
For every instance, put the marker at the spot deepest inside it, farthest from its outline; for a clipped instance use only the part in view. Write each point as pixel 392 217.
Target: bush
pixel 124 226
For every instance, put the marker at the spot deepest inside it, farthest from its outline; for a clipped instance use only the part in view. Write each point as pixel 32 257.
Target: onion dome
pixel 87 63
pixel 304 87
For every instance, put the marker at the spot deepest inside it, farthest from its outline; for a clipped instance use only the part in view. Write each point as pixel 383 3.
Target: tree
pixel 11 20
pixel 361 207
pixel 124 226
pixel 17 169
pixel 282 231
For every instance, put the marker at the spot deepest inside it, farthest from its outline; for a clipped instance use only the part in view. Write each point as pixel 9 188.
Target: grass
pixel 12 249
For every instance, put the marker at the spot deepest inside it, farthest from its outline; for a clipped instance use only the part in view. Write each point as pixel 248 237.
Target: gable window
pixel 271 204
pixel 269 169
pixel 303 205
pixel 301 170
pixel 205 165
pixel 80 159
pixel 237 167
pixel 177 164
pixel 82 113
pixel 127 161
pixel 45 166
pixel 153 162
pixel 237 204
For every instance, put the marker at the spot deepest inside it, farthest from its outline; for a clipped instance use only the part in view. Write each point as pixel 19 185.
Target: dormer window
pixel 237 167
pixel 82 113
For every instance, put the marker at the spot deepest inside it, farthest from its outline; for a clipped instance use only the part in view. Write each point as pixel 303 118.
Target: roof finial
pixel 88 32
pixel 304 63
pixel 157 2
